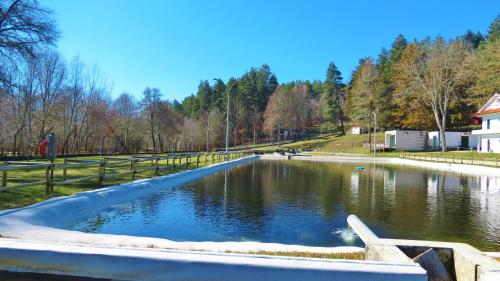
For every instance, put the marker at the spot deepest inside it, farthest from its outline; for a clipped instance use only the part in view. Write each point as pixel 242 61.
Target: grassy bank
pixel 330 143
pixel 23 196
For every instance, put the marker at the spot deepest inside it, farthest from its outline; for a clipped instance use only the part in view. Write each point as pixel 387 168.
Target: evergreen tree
pixel 473 38
pixel 332 97
pixel 398 47
pixel 218 94
pixel 494 30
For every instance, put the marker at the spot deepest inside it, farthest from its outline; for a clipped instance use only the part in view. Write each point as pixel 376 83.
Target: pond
pixel 307 203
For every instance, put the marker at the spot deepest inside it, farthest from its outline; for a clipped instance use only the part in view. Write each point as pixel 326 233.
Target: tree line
pixel 431 83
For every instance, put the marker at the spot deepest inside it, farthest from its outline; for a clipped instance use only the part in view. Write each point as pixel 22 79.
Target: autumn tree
pixel 437 74
pixel 288 108
pixel 362 100
pixel 410 110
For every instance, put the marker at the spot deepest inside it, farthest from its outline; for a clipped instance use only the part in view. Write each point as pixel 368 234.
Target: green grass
pixel 330 143
pixel 23 196
pixel 353 145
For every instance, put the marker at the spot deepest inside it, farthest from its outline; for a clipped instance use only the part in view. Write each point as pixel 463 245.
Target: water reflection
pixel 302 202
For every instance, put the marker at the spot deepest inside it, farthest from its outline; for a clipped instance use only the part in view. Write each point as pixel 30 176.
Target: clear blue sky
pixel 172 45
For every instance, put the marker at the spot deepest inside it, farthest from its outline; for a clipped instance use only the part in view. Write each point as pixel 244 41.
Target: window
pixel 488 124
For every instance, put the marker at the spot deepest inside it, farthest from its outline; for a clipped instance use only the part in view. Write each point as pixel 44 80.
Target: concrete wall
pixel 408 140
pixel 494 140
pixel 473 141
pixel 151 264
pixel 453 139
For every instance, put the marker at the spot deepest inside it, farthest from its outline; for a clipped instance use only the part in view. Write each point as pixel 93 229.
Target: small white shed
pixel 356 130
pixel 406 140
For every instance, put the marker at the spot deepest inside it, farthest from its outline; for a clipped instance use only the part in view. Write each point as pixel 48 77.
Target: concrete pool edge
pixel 45 221
pixel 464 169
pixel 148 264
pixel 60 251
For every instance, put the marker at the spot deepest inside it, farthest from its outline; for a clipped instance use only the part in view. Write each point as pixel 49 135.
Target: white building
pixel 489 135
pixel 435 141
pixel 356 130
pixel 453 140
pixel 406 140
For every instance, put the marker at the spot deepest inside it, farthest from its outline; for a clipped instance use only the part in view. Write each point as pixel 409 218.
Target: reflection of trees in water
pixel 240 202
pixel 104 217
pixel 399 201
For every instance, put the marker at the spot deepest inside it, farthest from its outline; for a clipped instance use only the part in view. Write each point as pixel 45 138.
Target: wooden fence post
pixel 4 175
pixel 198 160
pixel 48 182
pixel 64 169
pixel 173 162
pixel 188 158
pixel 157 163
pixel 102 165
pixel 52 175
pixel 132 167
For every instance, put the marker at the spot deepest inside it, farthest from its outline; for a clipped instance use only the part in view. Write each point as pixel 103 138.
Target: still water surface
pixel 307 203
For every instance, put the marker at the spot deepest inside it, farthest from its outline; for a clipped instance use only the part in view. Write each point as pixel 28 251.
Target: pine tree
pixel 494 30
pixel 333 97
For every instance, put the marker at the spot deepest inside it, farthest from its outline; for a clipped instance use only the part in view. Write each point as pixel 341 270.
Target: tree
pixel 362 94
pixel 127 110
pixel 494 30
pixel 333 97
pixel 288 108
pixel 385 83
pixel 437 75
pixel 150 101
pixel 410 109
pixel 485 70
pixel 25 27
pixel 205 100
pixel 473 39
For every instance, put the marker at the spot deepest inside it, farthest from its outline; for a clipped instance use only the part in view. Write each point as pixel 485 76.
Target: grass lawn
pixel 353 144
pixel 23 196
pixel 330 143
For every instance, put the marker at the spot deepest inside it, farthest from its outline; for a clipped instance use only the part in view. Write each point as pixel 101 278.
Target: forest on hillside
pixel 429 83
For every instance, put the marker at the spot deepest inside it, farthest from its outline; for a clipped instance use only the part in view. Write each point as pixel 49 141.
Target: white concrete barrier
pixel 150 264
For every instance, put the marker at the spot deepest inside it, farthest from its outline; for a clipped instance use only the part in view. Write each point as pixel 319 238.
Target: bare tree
pixel 25 26
pixel 50 72
pixel 150 102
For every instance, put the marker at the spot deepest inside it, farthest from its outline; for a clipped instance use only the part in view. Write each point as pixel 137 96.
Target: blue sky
pixel 172 45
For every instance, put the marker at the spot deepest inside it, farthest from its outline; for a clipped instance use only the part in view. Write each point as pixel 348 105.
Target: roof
pixel 490 107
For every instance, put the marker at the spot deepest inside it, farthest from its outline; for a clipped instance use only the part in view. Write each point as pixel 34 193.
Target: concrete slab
pixel 151 264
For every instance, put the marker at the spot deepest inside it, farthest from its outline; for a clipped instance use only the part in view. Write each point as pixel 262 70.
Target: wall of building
pixel 453 139
pixel 494 140
pixel 411 140
pixel 494 122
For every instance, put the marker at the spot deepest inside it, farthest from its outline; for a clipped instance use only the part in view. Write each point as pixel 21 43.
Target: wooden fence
pixel 109 167
pixel 454 159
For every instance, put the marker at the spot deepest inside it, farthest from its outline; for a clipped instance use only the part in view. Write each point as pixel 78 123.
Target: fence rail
pixel 107 167
pixel 454 159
